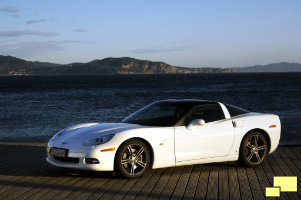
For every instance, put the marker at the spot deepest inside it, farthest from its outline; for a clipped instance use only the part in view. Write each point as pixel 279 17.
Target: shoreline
pixel 37 144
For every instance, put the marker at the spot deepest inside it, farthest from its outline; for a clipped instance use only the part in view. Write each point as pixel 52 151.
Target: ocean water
pixel 35 108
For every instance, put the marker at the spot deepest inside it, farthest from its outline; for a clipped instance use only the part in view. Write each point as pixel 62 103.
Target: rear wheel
pixel 132 159
pixel 254 149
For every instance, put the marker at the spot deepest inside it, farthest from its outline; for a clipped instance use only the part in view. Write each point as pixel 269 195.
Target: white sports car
pixel 167 133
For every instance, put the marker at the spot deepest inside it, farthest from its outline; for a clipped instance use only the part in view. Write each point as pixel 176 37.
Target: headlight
pixel 100 140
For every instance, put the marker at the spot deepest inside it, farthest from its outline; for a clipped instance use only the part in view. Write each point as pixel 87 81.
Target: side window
pixel 234 111
pixel 209 113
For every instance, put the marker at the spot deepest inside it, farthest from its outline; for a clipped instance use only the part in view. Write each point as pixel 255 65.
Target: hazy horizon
pixel 225 34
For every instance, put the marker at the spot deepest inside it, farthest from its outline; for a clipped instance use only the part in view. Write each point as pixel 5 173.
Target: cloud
pixel 71 41
pixel 80 30
pixel 36 21
pixel 15 15
pixel 33 15
pixel 30 48
pixel 27 32
pixel 9 9
pixel 34 48
pixel 12 10
pixel 156 50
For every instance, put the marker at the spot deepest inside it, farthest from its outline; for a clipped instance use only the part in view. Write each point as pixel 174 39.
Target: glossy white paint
pixel 171 146
pixel 210 140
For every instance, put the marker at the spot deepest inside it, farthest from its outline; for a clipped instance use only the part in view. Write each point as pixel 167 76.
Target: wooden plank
pixel 244 184
pixel 103 189
pixel 124 190
pixel 223 182
pixel 257 192
pixel 60 188
pixel 92 186
pixel 296 151
pixel 293 163
pixel 10 177
pixel 291 160
pixel 40 185
pixel 50 186
pixel 23 187
pixel 115 187
pixel 15 185
pixel 234 191
pixel 71 188
pixel 212 190
pixel 182 183
pixel 148 187
pixel 18 182
pixel 161 184
pixel 139 184
pixel 263 179
pixel 192 183
pixel 287 172
pixel 172 182
pixel 202 186
pixel 268 171
pixel 277 172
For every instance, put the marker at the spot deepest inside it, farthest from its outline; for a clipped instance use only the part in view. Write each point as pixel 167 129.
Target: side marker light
pixel 109 149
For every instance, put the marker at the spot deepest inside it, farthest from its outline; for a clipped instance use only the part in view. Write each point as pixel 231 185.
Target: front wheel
pixel 254 149
pixel 132 159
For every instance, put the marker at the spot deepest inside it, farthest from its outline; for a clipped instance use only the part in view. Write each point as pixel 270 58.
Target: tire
pixel 253 149
pixel 132 159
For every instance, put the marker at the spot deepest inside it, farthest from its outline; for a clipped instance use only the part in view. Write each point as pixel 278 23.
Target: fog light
pixel 91 161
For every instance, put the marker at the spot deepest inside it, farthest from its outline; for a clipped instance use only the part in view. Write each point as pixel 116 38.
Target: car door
pixel 212 139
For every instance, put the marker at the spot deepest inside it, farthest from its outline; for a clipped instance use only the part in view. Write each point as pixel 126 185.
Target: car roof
pixel 189 101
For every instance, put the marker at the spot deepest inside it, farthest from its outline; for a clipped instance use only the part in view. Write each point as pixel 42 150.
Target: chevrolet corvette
pixel 168 133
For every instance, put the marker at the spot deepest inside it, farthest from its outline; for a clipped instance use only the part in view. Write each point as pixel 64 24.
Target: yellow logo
pixel 282 184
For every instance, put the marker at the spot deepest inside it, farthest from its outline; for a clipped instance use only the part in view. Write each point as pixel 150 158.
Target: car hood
pixel 78 134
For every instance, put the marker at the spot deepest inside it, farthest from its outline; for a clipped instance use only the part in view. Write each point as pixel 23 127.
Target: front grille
pixel 67 159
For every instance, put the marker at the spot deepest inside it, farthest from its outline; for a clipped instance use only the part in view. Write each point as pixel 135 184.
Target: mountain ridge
pixel 12 66
pixel 273 67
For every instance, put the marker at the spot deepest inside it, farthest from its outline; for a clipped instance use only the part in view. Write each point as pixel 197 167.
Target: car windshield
pixel 159 114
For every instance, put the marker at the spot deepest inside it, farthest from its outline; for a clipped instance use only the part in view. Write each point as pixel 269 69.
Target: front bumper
pixel 78 160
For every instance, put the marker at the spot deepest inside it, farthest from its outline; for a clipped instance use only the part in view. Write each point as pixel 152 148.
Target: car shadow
pixel 29 160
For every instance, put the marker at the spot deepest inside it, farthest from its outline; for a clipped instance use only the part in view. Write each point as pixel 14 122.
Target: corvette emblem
pixel 64 142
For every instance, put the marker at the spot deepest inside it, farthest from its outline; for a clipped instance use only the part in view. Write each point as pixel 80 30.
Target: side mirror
pixel 195 122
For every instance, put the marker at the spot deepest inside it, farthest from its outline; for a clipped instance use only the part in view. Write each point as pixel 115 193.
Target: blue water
pixel 35 108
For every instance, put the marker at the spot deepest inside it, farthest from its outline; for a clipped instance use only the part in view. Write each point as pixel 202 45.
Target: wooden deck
pixel 24 174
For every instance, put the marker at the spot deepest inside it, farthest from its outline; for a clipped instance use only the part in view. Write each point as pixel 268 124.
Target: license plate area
pixel 59 152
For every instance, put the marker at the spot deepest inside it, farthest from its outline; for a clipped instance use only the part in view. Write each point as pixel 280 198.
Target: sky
pixel 190 33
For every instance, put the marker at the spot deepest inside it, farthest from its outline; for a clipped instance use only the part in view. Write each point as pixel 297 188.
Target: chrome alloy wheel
pixel 255 149
pixel 134 159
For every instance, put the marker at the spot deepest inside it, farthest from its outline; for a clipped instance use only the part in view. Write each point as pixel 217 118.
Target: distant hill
pixel 275 67
pixel 11 66
pixel 14 66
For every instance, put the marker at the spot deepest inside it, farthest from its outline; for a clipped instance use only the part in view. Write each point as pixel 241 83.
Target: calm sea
pixel 35 108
